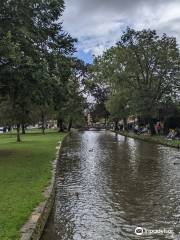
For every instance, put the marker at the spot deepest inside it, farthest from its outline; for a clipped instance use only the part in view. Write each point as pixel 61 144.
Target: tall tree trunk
pixel 166 128
pixel 69 124
pixel 151 126
pixel 125 124
pixel 116 128
pixel 18 133
pixel 105 120
pixel 23 128
pixel 43 122
pixel 60 125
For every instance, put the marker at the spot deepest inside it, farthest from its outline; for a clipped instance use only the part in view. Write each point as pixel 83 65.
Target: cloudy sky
pixel 98 24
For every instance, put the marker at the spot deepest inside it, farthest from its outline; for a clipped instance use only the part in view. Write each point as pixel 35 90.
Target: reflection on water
pixel 107 185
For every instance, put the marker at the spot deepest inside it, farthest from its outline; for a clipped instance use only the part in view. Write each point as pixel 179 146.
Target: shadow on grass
pixel 6 153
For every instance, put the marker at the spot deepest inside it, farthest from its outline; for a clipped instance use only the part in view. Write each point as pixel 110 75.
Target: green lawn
pixel 25 170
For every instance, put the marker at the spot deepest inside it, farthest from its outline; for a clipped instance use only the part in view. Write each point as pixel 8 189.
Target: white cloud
pixel 98 24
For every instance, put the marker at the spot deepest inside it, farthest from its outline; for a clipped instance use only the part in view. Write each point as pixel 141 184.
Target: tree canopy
pixel 36 62
pixel 141 71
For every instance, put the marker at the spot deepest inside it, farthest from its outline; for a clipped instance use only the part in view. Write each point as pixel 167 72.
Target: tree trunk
pixel 23 129
pixel 166 128
pixel 105 120
pixel 43 122
pixel 125 124
pixel 69 124
pixel 60 125
pixel 18 133
pixel 116 128
pixel 151 126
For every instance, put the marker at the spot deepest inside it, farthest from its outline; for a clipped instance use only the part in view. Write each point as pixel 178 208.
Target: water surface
pixel 107 185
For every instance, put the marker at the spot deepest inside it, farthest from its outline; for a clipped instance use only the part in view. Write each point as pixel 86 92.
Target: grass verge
pixel 156 139
pixel 25 171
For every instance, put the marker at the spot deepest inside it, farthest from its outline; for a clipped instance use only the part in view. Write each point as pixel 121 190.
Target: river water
pixel 108 185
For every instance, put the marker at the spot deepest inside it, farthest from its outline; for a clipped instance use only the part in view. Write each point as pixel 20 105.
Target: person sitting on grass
pixel 145 130
pixel 136 129
pixel 172 134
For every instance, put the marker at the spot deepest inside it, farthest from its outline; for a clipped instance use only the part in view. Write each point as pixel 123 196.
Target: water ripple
pixel 107 185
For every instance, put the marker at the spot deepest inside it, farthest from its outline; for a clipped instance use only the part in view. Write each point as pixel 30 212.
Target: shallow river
pixel 108 185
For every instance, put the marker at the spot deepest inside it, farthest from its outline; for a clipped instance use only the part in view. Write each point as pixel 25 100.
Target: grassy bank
pixel 25 170
pixel 156 139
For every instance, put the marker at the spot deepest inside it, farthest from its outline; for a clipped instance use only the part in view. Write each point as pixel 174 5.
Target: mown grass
pixel 25 171
pixel 156 139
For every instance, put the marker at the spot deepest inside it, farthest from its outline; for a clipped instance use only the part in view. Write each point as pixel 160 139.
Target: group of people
pixel 174 134
pixel 145 129
pixel 141 129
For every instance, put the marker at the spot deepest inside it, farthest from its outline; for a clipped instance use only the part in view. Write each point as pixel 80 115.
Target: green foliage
pixel 36 62
pixel 142 72
pixel 151 66
pixel 118 106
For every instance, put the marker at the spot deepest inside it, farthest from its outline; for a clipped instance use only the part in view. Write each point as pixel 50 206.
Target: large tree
pixel 145 64
pixel 98 90
pixel 69 97
pixel 118 106
pixel 32 44
pixel 151 66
